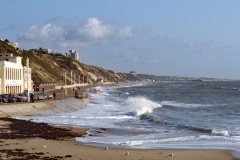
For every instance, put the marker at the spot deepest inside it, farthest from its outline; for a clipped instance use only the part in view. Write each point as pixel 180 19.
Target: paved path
pixel 60 105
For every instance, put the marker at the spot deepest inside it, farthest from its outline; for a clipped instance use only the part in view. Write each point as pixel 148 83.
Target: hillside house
pixel 74 55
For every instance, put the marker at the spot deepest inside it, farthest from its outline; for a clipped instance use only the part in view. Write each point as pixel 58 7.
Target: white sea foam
pixel 108 117
pixel 183 105
pixel 220 132
pixel 141 105
pixel 153 141
pixel 133 84
pixel 235 139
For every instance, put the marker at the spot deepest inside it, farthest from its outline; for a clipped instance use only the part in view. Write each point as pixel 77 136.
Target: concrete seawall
pixel 63 105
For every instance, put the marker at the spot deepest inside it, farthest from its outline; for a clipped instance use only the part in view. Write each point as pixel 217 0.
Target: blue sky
pixel 196 38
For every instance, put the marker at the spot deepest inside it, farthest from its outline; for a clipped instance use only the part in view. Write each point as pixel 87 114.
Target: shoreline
pixel 29 140
pixel 20 142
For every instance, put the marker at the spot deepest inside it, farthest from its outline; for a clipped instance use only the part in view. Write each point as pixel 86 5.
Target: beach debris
pixel 127 153
pixel 44 146
pixel 68 156
pixel 171 154
pixel 106 148
pixel 39 153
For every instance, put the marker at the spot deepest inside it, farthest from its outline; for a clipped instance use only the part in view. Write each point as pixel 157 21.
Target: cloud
pixel 92 30
pixel 95 29
pixel 131 56
pixel 43 33
pixel 125 32
pixel 74 33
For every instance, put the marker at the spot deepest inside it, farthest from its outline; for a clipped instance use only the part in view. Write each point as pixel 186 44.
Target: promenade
pixel 64 102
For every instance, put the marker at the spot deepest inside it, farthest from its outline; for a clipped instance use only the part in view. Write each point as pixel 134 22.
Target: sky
pixel 193 38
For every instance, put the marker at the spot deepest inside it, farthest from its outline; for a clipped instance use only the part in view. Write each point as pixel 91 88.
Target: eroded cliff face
pixel 54 67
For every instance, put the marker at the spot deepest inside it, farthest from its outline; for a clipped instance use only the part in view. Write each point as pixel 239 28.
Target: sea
pixel 164 114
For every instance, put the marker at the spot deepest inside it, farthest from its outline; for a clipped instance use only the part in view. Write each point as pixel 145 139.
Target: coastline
pixel 20 142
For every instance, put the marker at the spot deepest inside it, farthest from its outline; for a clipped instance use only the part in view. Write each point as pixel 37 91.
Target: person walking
pixel 31 97
pixel 54 95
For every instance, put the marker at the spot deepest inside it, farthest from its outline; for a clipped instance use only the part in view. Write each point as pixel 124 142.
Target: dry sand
pixel 22 139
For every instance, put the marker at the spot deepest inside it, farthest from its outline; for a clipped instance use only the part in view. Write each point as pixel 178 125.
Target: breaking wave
pixel 141 105
pixel 183 105
pixel 150 117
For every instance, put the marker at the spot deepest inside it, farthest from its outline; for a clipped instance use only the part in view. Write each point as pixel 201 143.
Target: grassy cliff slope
pixel 52 68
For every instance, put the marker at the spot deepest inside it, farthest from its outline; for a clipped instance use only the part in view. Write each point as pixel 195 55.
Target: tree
pixel 6 40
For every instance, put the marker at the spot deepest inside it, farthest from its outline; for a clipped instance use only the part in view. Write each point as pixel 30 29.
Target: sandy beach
pixel 22 139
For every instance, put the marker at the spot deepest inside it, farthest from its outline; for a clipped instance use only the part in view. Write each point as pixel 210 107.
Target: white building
pixel 14 77
pixel 74 55
pixel 13 44
pixel 46 50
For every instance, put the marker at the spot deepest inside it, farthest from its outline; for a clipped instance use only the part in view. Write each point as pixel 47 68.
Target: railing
pixel 71 86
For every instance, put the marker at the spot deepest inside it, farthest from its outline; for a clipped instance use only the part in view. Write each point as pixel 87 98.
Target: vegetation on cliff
pixel 6 48
pixel 53 68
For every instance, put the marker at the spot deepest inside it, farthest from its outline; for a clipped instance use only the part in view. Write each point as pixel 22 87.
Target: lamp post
pixel 71 77
pixel 28 97
pixel 65 84
pixel 63 79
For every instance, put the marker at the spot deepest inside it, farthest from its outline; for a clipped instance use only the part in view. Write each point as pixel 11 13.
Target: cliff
pixel 53 67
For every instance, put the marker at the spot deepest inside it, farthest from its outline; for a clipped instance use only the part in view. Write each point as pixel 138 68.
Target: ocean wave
pixel 189 127
pixel 183 105
pixel 128 85
pixel 141 105
pixel 150 117
pixel 200 129
pixel 220 132
pixel 191 138
pixel 107 117
pixel 155 141
pixel 215 132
